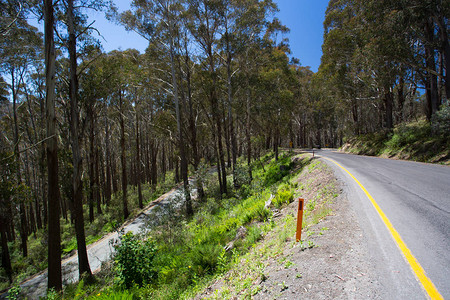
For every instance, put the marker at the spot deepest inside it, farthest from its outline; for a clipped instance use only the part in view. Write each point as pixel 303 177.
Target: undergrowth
pixel 185 254
pixel 248 272
pixel 420 141
pixel 109 221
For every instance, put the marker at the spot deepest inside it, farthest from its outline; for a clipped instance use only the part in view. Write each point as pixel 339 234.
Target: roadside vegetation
pixel 419 141
pixel 109 221
pixel 179 258
pixel 249 274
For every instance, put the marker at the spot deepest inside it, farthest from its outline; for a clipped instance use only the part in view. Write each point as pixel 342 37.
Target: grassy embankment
pixel 182 257
pixel 416 141
pixel 247 274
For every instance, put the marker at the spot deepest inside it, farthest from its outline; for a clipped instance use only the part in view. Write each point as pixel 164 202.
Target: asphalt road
pixel 415 197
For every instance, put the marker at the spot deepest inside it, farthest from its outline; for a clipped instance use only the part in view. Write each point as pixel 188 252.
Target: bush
pixel 284 196
pixel 205 258
pixel 134 261
pixel 440 122
pixel 408 134
pixel 242 176
pixel 277 170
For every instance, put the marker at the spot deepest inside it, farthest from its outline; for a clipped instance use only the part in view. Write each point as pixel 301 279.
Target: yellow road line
pixel 415 266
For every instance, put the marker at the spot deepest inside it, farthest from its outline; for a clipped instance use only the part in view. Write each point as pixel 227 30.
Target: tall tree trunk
pixel 77 186
pixel 401 99
pixel 90 116
pixel 217 121
pixel 230 109
pixel 432 92
pixel 355 117
pixel 138 162
pixel 247 133
pixel 42 163
pixel 54 234
pixel 108 163
pixel 275 141
pixel 98 197
pixel 6 258
pixel 101 160
pixel 123 159
pixel 114 176
pixel 389 104
pixel 154 166
pixel 22 213
pixel 184 167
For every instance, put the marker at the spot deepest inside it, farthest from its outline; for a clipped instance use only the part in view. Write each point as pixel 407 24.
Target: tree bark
pixel 108 163
pixel 389 104
pixel 247 132
pixel 6 258
pixel 230 109
pixel 432 92
pixel 123 159
pixel 401 99
pixel 184 167
pixel 192 127
pixel 54 235
pixel 77 187
pixel 22 209
pixel 138 161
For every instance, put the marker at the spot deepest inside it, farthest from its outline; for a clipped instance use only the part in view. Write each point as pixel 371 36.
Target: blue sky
pixel 305 19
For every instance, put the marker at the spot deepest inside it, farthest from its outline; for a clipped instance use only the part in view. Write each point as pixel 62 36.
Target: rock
pixel 240 234
pixel 269 202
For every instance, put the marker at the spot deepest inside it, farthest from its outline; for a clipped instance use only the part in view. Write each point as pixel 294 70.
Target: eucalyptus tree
pixel 253 23
pixel 374 48
pixel 54 234
pixel 205 25
pixel 340 41
pixel 19 49
pixel 159 21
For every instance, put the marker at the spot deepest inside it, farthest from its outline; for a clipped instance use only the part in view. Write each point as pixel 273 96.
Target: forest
pixel 88 138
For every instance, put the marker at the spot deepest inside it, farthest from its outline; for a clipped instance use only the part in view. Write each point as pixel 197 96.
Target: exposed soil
pixel 331 263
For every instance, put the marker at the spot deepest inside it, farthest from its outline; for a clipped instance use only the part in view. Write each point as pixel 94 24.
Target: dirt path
pixel 101 251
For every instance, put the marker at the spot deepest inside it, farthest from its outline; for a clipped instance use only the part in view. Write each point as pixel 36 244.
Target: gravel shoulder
pixel 331 262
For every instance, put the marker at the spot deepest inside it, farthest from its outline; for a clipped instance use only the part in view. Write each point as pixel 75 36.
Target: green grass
pixel 241 281
pixel 191 252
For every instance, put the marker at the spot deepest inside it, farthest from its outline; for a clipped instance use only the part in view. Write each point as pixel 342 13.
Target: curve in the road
pixel 427 284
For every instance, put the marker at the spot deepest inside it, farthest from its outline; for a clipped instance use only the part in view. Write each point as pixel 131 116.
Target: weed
pixel 13 293
pixel 134 261
pixel 288 264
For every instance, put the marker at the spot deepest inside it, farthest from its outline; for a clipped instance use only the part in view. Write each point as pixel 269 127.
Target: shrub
pixel 284 196
pixel 134 261
pixel 441 120
pixel 205 257
pixel 408 134
pixel 277 170
pixel 263 213
pixel 242 177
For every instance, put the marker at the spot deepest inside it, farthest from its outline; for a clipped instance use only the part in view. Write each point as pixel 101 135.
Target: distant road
pixel 415 197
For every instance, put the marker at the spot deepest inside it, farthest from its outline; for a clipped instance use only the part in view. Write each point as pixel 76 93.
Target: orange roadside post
pixel 298 236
